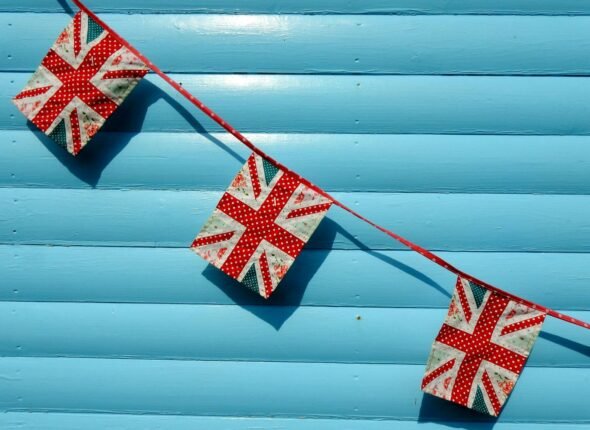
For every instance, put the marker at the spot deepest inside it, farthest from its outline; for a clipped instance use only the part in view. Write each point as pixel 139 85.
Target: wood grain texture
pixel 236 388
pixel 76 421
pixel 510 7
pixel 366 162
pixel 489 45
pixel 453 222
pixel 462 125
pixel 252 333
pixel 348 104
pixel 393 279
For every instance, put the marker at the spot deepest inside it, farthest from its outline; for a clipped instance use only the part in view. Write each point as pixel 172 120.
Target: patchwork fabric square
pixel 260 225
pixel 82 80
pixel 481 348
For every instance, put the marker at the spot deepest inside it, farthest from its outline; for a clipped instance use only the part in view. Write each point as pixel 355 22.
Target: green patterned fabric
pixel 250 280
pixel 59 134
pixel 479 403
pixel 94 30
pixel 270 171
pixel 479 293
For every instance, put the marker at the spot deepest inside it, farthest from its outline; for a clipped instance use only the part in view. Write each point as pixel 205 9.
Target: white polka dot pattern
pixel 82 80
pixel 481 348
pixel 260 225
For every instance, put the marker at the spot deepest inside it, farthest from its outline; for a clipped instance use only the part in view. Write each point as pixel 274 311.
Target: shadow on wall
pixel 287 297
pixel 452 415
pixel 67 8
pixel 283 303
pixel 564 342
pixel 106 145
pixel 449 414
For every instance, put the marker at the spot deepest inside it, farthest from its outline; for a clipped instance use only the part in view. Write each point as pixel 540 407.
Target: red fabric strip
pixel 77 36
pixel 436 373
pixel 489 386
pixel 75 127
pixel 463 300
pixel 263 261
pixel 309 210
pixel 254 178
pixel 522 325
pixel 431 256
pixel 33 92
pixel 208 240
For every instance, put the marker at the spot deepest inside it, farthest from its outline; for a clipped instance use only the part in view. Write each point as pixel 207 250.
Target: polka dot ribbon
pixel 424 252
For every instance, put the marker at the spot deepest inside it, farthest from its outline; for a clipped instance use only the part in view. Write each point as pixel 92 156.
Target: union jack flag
pixel 481 348
pixel 260 225
pixel 84 77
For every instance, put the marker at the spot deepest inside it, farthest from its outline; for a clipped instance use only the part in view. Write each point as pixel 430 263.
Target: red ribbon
pixel 223 123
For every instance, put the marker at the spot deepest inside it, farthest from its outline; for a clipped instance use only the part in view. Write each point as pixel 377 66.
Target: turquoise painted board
pixel 463 125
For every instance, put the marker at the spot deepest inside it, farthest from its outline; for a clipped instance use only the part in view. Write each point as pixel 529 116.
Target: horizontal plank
pixel 490 45
pixel 454 222
pixel 250 333
pixel 320 278
pixel 361 162
pixel 270 389
pixel 64 421
pixel 510 7
pixel 349 104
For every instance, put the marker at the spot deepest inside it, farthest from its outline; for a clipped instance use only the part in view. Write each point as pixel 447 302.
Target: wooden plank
pixel 349 104
pixel 359 162
pixel 510 7
pixel 453 222
pixel 335 278
pixel 250 333
pixel 61 421
pixel 490 45
pixel 236 389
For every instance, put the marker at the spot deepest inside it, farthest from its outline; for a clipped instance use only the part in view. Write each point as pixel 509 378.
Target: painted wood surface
pixel 316 390
pixel 349 104
pixel 322 7
pixel 61 421
pixel 462 125
pixel 490 45
pixel 251 333
pixel 166 218
pixel 367 162
pixel 397 279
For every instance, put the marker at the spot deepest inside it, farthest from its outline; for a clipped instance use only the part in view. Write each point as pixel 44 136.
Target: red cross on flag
pixel 82 80
pixel 481 348
pixel 260 225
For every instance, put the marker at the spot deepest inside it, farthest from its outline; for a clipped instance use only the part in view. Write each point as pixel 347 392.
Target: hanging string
pixel 244 140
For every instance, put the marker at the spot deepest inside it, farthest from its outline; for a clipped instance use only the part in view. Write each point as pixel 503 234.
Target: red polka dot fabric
pixel 82 80
pixel 260 225
pixel 481 348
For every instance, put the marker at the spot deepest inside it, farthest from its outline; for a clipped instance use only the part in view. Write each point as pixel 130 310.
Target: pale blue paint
pixel 61 421
pixel 500 45
pixel 449 222
pixel 511 7
pixel 278 389
pixel 350 104
pixel 389 278
pixel 369 162
pixel 250 333
pixel 110 322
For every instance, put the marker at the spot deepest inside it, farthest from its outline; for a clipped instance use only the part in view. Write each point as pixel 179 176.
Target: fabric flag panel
pixel 260 225
pixel 82 80
pixel 481 348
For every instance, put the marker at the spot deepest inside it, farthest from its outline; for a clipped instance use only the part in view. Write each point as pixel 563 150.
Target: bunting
pixel 481 348
pixel 268 213
pixel 82 80
pixel 260 225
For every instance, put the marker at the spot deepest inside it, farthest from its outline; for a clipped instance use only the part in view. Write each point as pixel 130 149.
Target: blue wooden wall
pixel 463 125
